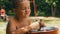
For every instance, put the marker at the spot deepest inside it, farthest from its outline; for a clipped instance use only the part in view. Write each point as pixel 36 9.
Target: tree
pixel 52 3
pixel 42 8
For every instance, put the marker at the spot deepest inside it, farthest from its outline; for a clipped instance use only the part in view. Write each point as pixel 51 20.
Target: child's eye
pixel 29 8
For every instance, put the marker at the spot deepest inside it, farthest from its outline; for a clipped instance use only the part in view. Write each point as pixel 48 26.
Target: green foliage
pixel 39 13
pixel 32 9
pixel 43 7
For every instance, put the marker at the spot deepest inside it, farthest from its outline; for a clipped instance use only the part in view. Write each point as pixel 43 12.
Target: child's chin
pixel 27 15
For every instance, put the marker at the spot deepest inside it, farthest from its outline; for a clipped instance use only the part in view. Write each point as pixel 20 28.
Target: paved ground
pixel 2 28
pixel 53 24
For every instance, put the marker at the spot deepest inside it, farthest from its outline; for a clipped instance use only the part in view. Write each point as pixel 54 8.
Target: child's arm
pixel 11 29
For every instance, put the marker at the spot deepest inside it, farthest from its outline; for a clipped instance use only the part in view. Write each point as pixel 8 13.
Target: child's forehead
pixel 25 2
pixel 2 10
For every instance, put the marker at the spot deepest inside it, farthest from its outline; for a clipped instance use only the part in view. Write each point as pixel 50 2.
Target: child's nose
pixel 26 10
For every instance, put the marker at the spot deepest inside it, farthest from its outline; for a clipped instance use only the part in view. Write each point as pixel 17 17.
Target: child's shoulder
pixel 11 20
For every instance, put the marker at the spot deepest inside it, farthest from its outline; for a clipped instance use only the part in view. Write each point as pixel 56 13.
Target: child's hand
pixel 35 25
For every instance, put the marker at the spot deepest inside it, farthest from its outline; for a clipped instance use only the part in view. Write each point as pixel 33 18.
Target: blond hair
pixel 17 2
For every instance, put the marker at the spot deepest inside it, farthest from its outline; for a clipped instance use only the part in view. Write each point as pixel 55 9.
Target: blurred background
pixel 47 10
pixel 38 7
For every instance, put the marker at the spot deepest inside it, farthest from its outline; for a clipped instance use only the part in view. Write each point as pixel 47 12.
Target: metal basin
pixel 45 30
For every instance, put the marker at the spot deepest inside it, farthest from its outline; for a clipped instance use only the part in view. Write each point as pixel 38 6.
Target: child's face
pixel 2 12
pixel 24 9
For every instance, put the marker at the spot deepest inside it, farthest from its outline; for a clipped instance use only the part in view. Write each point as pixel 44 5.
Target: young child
pixel 3 15
pixel 21 23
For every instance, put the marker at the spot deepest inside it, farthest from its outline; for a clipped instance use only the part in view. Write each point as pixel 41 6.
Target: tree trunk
pixel 34 8
pixel 53 9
